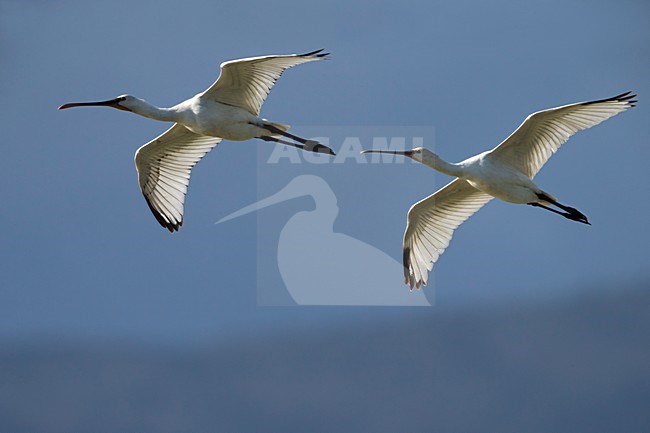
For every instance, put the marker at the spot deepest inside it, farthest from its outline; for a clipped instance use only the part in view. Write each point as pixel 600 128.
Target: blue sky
pixel 84 257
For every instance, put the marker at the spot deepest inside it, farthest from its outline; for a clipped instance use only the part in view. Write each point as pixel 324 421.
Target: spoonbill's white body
pixel 505 172
pixel 229 109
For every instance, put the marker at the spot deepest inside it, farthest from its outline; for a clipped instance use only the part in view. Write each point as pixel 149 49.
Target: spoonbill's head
pixel 419 154
pixel 122 102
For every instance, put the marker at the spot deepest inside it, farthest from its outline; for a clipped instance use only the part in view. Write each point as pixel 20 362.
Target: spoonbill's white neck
pixel 143 108
pixel 133 104
pixel 432 160
pixel 427 158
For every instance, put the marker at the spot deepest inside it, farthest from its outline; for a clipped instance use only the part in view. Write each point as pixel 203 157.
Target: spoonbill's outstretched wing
pixel 542 133
pixel 431 223
pixel 246 83
pixel 164 165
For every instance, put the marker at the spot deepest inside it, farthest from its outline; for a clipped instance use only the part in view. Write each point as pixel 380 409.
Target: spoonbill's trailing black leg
pixel 279 140
pixel 575 216
pixel 309 145
pixel 569 212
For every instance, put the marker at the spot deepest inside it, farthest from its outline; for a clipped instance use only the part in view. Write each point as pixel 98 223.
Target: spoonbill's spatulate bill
pixel 505 172
pixel 229 110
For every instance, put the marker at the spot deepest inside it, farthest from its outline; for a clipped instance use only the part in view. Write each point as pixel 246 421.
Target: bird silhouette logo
pixel 322 267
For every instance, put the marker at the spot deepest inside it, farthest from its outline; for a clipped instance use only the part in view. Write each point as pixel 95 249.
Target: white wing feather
pixel 164 166
pixel 529 147
pixel 431 223
pixel 246 83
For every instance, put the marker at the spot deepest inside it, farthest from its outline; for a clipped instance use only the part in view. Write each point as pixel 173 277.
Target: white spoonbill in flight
pixel 505 172
pixel 229 109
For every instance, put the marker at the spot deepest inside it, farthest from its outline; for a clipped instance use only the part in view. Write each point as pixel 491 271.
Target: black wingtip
pixel 627 97
pixel 162 221
pixel 410 280
pixel 406 262
pixel 317 53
